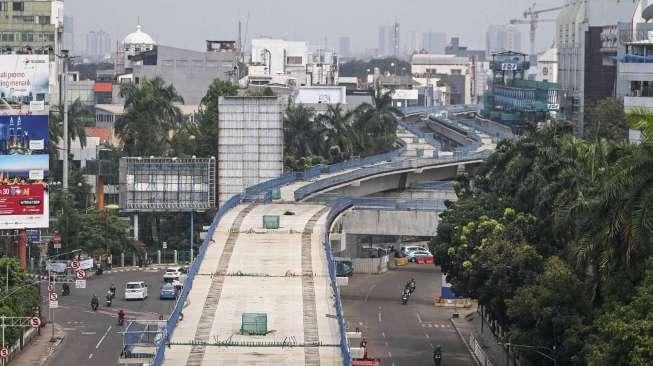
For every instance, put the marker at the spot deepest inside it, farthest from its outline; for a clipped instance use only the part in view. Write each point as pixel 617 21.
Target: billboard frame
pixel 158 184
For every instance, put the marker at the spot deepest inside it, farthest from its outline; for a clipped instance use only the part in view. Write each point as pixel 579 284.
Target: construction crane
pixel 532 18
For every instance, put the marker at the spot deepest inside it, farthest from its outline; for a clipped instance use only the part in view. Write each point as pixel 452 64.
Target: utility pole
pixel 66 148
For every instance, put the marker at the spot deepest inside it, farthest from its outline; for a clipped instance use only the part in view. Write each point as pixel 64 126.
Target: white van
pixel 136 290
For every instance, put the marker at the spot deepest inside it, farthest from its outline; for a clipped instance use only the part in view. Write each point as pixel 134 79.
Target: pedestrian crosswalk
pixel 431 325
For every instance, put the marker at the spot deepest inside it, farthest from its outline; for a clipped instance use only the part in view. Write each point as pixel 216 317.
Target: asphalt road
pixel 403 334
pixel 93 338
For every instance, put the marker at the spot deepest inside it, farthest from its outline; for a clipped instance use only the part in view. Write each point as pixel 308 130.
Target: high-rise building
pixel 344 48
pixel 383 37
pixel 68 34
pixel 31 26
pixel 98 45
pixel 396 44
pixel 586 67
pixel 434 42
pixel 501 38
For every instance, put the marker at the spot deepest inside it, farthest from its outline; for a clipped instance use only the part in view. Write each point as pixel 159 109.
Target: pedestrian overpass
pixel 283 270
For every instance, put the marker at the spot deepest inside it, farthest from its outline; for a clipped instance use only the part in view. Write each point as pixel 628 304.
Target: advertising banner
pixel 24 146
pixel 23 206
pixel 24 82
pixel 24 134
pixel 86 264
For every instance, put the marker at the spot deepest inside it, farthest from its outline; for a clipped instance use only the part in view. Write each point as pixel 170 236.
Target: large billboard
pixel 24 146
pixel 23 206
pixel 24 135
pixel 166 184
pixel 24 82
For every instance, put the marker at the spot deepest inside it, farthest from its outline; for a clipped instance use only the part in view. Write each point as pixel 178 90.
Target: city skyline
pixel 359 25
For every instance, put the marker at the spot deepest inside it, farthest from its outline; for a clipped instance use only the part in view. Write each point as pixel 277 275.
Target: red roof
pixel 103 87
pixel 103 133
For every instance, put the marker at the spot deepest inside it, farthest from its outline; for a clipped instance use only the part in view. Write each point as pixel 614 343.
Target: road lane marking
pixel 369 292
pixel 379 317
pixel 419 319
pixel 389 354
pixel 427 336
pixel 386 344
pixel 383 334
pixel 89 333
pixel 102 339
pixel 90 356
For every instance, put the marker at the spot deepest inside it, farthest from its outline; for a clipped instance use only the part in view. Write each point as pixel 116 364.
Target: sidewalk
pixel 468 323
pixel 40 349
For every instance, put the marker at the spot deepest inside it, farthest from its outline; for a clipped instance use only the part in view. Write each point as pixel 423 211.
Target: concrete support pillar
pixel 158 257
pixel 136 227
pixel 31 264
pixel 175 256
pixel 134 263
pixel 191 255
pixel 122 259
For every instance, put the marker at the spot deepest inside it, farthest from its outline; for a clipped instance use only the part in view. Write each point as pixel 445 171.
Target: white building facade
pixel 449 76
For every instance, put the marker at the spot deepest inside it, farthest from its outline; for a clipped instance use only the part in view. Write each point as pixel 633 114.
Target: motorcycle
pixel 121 318
pixel 108 300
pixel 404 298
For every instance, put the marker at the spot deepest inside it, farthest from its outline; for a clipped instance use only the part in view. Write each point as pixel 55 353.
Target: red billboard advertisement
pixel 23 206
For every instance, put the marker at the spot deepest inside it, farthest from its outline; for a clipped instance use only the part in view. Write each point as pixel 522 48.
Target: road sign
pixel 164 245
pixel 33 235
pixel 74 265
pixel 80 274
pixel 54 304
pixel 80 284
pixel 4 352
pixel 53 296
pixel 34 322
pixel 50 287
pixel 56 240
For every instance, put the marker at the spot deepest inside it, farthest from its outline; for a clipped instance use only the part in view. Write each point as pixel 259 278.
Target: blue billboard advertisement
pixel 24 146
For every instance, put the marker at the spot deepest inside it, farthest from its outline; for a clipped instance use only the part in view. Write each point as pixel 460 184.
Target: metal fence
pixel 340 206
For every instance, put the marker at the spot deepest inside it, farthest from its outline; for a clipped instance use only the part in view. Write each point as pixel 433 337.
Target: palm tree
pixel 302 135
pixel 340 135
pixel 79 117
pixel 376 123
pixel 150 115
pixel 641 119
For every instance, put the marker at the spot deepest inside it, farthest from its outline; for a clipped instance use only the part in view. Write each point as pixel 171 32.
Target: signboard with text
pixel 24 145
pixel 23 206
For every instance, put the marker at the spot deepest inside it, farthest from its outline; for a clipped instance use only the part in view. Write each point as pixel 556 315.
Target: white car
pixel 136 290
pixel 407 249
pixel 175 276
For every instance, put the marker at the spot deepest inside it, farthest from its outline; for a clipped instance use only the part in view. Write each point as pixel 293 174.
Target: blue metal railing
pixel 338 207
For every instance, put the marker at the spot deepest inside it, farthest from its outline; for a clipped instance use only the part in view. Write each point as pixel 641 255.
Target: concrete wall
pixel 370 265
pixel 380 222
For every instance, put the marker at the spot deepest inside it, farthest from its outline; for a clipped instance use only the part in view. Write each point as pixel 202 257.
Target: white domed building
pixel 134 43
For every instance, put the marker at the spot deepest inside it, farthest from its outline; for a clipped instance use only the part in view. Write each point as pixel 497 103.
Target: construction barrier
pixel 428 260
pixel 421 260
pixel 366 362
pixel 452 303
pixel 401 261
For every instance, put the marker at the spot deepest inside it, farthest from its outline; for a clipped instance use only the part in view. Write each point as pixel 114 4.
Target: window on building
pixel 18 6
pixel 7 37
pixel 3 6
pixel 50 37
pixel 456 72
pixel 294 60
pixel 27 37
pixel 28 19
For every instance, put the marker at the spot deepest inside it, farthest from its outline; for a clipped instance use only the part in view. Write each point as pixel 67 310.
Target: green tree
pixel 101 232
pixel 607 120
pixel 624 332
pixel 340 134
pixel 641 119
pixel 303 135
pixel 150 116
pixel 376 124
pixel 208 118
pixel 19 299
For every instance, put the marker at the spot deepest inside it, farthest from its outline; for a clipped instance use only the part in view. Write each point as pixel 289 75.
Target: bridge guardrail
pixel 338 207
pixel 309 189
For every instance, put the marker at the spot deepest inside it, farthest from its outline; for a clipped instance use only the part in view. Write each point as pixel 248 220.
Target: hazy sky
pixel 188 23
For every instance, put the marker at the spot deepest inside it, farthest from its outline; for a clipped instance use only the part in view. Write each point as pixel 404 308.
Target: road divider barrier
pixel 401 261
pixel 452 303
